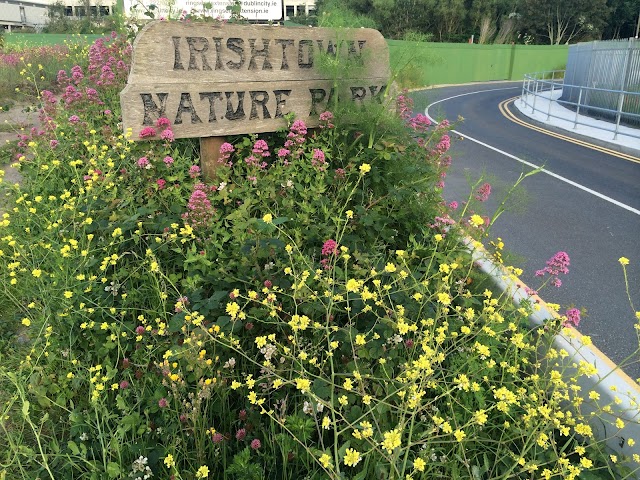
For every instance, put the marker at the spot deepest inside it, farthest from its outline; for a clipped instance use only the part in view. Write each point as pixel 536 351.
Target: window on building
pixel 104 11
pixel 81 12
pixel 290 11
pixel 23 15
pixel 94 10
pixel 68 11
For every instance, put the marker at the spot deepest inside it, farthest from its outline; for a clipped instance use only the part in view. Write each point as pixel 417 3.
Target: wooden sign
pixel 215 80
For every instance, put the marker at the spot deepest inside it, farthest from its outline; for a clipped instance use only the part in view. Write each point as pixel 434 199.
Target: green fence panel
pixel 454 63
pixel 538 58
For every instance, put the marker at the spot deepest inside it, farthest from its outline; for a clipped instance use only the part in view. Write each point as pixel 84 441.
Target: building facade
pixel 18 14
pixel 298 7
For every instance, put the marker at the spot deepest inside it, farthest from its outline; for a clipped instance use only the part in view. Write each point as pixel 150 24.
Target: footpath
pixel 17 119
pixel 553 116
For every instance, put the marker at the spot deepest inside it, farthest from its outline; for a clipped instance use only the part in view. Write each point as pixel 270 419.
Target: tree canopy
pixel 495 21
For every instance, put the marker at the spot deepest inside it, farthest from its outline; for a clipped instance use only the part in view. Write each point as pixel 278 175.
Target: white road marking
pixel 529 164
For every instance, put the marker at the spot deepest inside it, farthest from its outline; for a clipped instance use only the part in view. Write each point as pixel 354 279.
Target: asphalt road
pixel 596 220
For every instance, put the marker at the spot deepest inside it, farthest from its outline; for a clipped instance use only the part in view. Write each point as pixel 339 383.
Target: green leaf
pixel 25 408
pixel 113 470
pixel 73 447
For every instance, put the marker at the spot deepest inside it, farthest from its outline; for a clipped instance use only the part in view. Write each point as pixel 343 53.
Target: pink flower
pixel 255 444
pixel 283 152
pixel 261 148
pixel 326 116
pixel 453 205
pixel 124 384
pixel 74 119
pixel 318 156
pixel 194 171
pixel 161 183
pixel 483 192
pixel 143 162
pixel 168 160
pixel 226 149
pixel 162 403
pixel 299 127
pixel 556 265
pixel 53 143
pixel 200 208
pixel 241 434
pixel 217 437
pixel 330 247
pixel 573 317
pixel 163 122
pixel 139 329
pixel 167 134
pixel 147 132
pixel 419 123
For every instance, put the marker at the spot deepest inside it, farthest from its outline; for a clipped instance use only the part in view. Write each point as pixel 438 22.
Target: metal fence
pixel 538 94
pixel 603 76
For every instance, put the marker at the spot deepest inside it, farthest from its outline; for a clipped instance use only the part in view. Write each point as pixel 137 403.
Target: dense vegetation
pixel 495 21
pixel 310 312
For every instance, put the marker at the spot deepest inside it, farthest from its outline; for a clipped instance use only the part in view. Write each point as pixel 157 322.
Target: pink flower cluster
pixel 443 145
pixel 296 137
pixel 108 60
pixel 261 148
pixel 325 118
pixel 573 317
pixel 482 194
pixel 329 249
pixel 226 149
pixel 318 159
pixel 419 123
pixel 200 209
pixel 404 106
pixel 163 124
pixel 556 265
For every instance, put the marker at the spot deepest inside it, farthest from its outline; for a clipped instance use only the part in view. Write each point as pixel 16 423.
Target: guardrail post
pixel 618 114
pixel 553 75
pixel 535 95
pixel 575 123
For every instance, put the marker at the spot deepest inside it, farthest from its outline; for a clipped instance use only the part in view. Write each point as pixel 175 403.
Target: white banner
pixel 264 10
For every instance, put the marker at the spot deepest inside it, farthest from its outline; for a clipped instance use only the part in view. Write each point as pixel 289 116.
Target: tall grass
pixel 26 70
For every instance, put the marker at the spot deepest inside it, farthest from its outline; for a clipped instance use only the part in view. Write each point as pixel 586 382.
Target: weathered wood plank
pixel 182 53
pixel 217 109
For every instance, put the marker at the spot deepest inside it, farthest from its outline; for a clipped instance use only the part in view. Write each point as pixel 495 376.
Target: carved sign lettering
pixel 231 79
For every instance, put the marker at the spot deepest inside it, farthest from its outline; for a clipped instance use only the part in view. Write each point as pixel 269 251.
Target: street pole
pixel 638 25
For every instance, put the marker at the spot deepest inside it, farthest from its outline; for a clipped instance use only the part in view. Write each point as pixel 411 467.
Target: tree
pixel 450 16
pixel 561 21
pixel 623 18
pixel 396 17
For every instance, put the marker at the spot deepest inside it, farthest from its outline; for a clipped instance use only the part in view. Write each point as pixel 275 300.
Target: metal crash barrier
pixel 615 107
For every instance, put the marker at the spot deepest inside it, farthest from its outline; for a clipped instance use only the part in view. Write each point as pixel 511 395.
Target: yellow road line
pixel 504 109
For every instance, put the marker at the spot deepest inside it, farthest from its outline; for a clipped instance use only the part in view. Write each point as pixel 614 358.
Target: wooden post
pixel 209 155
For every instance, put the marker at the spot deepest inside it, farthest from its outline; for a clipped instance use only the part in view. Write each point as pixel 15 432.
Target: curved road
pixel 587 203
